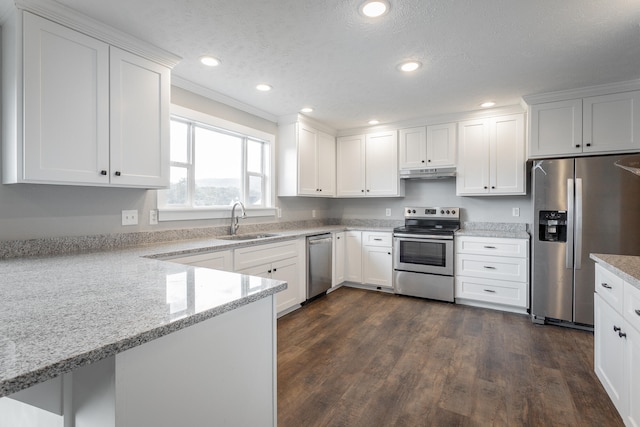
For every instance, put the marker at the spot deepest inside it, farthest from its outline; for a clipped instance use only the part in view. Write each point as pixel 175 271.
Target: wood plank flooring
pixel 364 358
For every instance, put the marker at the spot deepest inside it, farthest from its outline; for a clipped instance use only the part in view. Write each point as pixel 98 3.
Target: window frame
pixel 191 212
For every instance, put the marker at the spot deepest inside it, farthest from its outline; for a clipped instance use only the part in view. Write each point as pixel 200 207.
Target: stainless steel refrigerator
pixel 581 205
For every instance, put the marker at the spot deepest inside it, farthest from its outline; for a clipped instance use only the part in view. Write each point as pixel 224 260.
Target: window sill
pixel 195 214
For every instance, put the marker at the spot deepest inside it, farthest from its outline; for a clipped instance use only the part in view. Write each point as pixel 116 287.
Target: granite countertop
pixel 58 313
pixel 625 266
pixel 494 229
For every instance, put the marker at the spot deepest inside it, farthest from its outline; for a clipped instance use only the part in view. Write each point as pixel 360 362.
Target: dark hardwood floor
pixel 364 358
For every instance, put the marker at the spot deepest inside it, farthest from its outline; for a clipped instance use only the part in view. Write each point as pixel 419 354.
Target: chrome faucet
pixel 234 218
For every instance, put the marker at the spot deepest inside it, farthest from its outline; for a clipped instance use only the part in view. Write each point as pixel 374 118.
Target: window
pixel 214 164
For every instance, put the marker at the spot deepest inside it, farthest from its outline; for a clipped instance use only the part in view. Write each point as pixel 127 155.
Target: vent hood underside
pixel 433 173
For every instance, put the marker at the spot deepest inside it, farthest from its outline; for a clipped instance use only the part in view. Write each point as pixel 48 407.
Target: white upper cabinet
pixel 491 156
pixel 80 111
pixel 600 124
pixel 428 147
pixel 307 161
pixel 368 165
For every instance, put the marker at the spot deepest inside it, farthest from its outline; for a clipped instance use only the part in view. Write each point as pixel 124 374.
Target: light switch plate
pixel 153 217
pixel 516 212
pixel 387 212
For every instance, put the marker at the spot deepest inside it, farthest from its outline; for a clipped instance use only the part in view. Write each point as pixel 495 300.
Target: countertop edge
pixel 621 265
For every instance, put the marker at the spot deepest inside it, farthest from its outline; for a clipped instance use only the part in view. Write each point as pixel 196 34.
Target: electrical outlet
pixel 153 217
pixel 279 212
pixel 516 212
pixel 313 213
pixel 130 217
pixel 387 212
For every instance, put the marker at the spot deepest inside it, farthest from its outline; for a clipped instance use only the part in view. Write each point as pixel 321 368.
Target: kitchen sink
pixel 247 236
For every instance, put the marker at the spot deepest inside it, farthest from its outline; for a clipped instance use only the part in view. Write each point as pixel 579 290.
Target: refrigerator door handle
pixel 578 228
pixel 570 212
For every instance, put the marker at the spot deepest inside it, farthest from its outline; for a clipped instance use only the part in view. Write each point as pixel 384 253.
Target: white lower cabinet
pixel 221 260
pixel 339 259
pixel 617 347
pixel 280 261
pixel 492 272
pixel 368 258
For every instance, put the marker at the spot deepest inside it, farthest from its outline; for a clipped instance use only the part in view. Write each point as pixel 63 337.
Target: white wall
pixel 437 193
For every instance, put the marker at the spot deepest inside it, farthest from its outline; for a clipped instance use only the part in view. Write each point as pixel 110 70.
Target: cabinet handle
pixel 588 144
pixel 367 190
pixel 388 253
pixel 422 161
pixel 103 172
pixel 338 237
pixel 489 247
pixel 616 328
pixel 275 269
pixel 637 312
pixel 577 145
pixel 622 334
pixel 606 286
pixel 269 271
pixel 362 191
pixel 493 187
pixel 485 187
pixel 377 239
pixel 491 291
pixel 489 267
pixel 429 161
pixel 118 173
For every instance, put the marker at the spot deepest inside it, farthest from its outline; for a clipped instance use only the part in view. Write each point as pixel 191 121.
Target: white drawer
pixel 371 238
pixel 263 254
pixel 632 305
pixel 500 268
pixel 492 246
pixel 499 292
pixel 610 287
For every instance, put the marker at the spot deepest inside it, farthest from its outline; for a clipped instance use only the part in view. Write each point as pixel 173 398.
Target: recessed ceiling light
pixel 374 9
pixel 263 87
pixel 307 110
pixel 487 104
pixel 210 61
pixel 410 66
pixel 374 122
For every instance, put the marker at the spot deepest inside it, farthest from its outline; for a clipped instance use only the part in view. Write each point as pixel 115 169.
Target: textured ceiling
pixel 323 53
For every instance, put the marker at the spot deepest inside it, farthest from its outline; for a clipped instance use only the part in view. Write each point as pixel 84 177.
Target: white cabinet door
pixel 326 165
pixel 307 160
pixel 413 148
pixel 556 128
pixel 611 122
pixel 378 266
pixel 441 145
pixel 473 160
pixel 339 257
pixel 632 369
pixel 140 96
pixel 507 171
pixel 287 270
pixel 353 266
pixel 66 105
pixel 222 260
pixel 609 354
pixel 350 163
pixel 381 164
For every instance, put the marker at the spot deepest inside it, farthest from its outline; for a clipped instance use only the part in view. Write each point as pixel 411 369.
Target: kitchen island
pixel 116 338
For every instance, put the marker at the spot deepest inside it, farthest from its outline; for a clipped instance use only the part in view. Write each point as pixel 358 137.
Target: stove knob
pixel 448 212
pixel 453 212
pixel 414 211
pixel 442 211
pixel 408 211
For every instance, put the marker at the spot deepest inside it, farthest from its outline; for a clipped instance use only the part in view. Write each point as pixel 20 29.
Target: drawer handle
pixel 606 286
pixel 378 240
pixel 490 291
pixel 616 328
pixel 489 267
pixel 489 247
pixel 637 312
pixel 622 334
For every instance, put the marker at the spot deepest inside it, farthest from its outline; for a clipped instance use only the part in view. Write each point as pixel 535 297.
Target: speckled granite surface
pixel 58 313
pixel 505 230
pixel 63 312
pixel 625 266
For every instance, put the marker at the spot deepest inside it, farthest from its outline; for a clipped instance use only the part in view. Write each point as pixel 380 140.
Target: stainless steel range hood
pixel 433 173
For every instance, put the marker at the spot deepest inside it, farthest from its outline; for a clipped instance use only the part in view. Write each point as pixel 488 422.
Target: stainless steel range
pixel 423 252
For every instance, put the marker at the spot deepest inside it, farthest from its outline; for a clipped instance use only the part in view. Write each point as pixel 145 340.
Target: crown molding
pixel 70 18
pixel 582 92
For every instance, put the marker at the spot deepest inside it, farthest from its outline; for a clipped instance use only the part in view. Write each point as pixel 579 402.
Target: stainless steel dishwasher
pixel 318 264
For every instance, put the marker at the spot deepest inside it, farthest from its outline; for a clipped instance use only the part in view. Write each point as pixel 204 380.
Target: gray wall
pixel 436 193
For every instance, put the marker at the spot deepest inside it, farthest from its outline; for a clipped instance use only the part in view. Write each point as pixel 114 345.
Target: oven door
pixel 423 255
